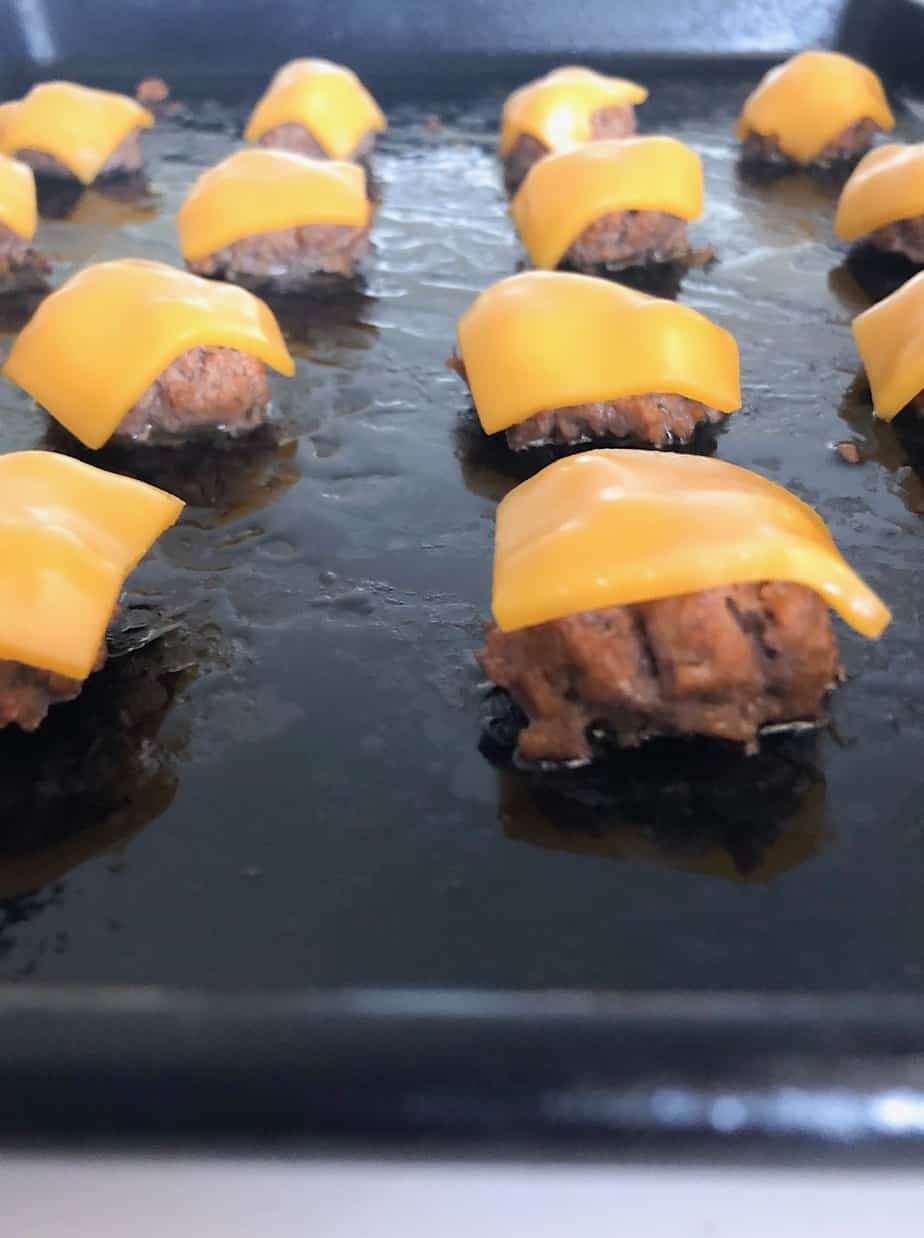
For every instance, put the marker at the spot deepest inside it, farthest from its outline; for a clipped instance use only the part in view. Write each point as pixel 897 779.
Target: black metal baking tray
pixel 259 881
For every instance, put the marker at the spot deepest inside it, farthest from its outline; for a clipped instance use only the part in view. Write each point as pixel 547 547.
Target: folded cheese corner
pixel 69 536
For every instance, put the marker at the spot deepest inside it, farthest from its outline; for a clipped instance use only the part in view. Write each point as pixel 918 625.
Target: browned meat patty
pixel 721 663
pixel 605 122
pixel 658 420
pixel 629 238
pixel 855 140
pixel 205 389
pixel 22 268
pixel 290 259
pixel 27 693
pixel 124 160
pixel 301 141
pixel 905 236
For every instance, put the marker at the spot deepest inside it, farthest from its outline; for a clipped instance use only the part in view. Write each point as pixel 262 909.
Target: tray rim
pixel 839 1077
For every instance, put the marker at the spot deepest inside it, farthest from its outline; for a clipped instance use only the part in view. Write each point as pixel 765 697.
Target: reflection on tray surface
pixel 682 804
pixel 95 773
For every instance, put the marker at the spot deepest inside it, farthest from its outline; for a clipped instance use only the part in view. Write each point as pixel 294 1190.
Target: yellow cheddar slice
pixel 254 191
pixel 18 210
pixel 557 109
pixel 6 114
pixel 69 535
pixel 79 126
pixel 542 340
pixel 609 528
pixel 562 194
pixel 810 100
pixel 326 99
pixel 885 186
pixel 890 341
pixel 95 345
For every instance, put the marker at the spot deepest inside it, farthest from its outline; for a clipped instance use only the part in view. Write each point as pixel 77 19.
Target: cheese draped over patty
pixel 563 194
pixel 94 346
pixel 810 100
pixel 885 186
pixel 69 535
pixel 260 190
pixel 18 210
pixel 557 109
pixel 326 99
pixel 890 341
pixel 547 339
pixel 78 126
pixel 610 528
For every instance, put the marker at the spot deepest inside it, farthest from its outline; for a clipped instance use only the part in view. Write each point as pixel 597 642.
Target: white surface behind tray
pixel 108 1197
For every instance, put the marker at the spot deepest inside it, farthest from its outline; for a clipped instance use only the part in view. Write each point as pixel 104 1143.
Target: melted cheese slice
pixel 608 528
pixel 258 190
pixel 886 185
pixel 890 341
pixel 95 345
pixel 6 114
pixel 562 194
pixel 556 109
pixel 543 340
pixel 18 210
pixel 69 535
pixel 810 100
pixel 80 127
pixel 326 99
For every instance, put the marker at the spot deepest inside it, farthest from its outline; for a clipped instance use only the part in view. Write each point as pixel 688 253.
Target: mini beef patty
pixel 27 693
pixel 617 121
pixel 855 140
pixel 124 161
pixel 720 663
pixel 629 238
pixel 290 259
pixel 22 268
pixel 301 141
pixel 655 420
pixel 205 389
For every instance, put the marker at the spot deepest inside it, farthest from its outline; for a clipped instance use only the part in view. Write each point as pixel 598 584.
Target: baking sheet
pixel 323 815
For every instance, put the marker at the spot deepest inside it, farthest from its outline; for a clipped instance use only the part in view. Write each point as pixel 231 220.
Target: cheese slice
pixel 6 114
pixel 326 99
pixel 258 190
pixel 885 186
pixel 810 100
pixel 18 210
pixel 78 126
pixel 562 194
pixel 69 535
pixel 94 346
pixel 556 109
pixel 609 528
pixel 890 341
pixel 544 339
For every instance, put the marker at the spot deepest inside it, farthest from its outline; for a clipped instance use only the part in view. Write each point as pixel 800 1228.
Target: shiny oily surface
pixel 286 789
